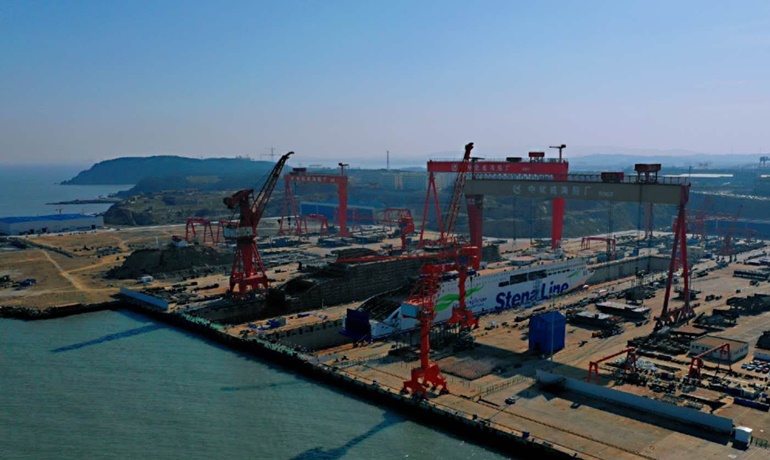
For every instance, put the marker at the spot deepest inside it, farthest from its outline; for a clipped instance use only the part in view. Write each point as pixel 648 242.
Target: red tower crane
pixel 300 175
pixel 248 273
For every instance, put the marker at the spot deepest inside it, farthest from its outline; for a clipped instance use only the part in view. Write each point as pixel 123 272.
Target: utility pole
pixel 271 154
pixel 387 160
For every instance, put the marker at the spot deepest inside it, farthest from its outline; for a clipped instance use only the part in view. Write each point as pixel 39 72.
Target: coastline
pixel 458 424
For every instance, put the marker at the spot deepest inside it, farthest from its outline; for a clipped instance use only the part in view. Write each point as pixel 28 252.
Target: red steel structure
pixel 648 173
pixel 323 222
pixel 617 187
pixel 727 240
pixel 424 293
pixel 402 217
pixel 630 364
pixel 300 175
pixel 208 230
pixel 467 257
pixel 248 273
pixel 585 242
pixel 677 315
pixel 696 364
pixel 537 165
pixel 422 297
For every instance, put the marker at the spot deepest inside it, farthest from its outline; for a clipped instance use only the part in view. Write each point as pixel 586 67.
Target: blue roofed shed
pixel 547 332
pixel 20 225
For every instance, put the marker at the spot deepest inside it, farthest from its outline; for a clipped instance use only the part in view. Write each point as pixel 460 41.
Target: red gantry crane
pixel 424 293
pixel 696 364
pixel 629 364
pixel 208 232
pixel 511 167
pixel 301 175
pixel 248 273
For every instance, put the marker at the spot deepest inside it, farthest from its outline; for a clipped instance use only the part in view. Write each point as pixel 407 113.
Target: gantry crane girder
pixel 509 168
pixel 248 272
pixel 208 231
pixel 696 363
pixel 645 188
pixel 302 176
pixel 585 242
pixel 629 365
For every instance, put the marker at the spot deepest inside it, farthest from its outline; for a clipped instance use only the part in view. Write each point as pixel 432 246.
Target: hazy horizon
pixel 86 81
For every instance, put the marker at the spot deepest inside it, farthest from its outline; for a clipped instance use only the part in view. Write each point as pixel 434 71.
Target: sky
pixel 85 81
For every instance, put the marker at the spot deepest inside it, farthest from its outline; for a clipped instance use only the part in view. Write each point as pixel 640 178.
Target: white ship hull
pixel 491 290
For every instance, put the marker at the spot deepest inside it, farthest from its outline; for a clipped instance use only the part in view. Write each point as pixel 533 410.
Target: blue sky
pixel 86 81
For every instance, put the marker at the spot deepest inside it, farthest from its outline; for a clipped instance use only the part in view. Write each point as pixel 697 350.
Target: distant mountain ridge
pixel 607 161
pixel 131 170
pixel 175 172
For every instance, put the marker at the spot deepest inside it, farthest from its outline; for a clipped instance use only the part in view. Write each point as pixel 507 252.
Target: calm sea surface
pixel 117 385
pixel 25 190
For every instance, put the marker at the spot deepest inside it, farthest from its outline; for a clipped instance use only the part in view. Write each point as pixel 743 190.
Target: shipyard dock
pixel 501 392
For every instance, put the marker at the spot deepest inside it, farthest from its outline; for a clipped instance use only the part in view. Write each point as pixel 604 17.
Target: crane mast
pixel 248 272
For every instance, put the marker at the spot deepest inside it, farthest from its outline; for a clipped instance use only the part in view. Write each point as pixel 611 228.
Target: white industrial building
pixel 49 224
pixel 738 349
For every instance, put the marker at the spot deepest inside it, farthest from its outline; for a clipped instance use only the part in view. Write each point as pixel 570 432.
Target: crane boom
pixel 260 203
pixel 453 208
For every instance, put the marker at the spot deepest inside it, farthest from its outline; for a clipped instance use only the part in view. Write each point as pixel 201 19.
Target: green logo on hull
pixel 445 301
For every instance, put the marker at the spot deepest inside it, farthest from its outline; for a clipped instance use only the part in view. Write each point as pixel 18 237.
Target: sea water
pixel 26 190
pixel 117 385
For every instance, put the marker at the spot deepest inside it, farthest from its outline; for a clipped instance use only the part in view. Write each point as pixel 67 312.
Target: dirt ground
pixel 70 268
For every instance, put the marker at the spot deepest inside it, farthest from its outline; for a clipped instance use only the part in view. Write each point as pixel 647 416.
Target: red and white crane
pixel 248 273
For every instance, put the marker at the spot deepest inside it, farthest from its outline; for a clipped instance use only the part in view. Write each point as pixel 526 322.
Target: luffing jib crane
pixel 248 273
pixel 424 293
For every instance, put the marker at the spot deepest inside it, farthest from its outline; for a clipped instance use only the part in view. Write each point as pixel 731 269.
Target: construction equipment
pixel 422 297
pixel 406 228
pixel 424 293
pixel 208 231
pixel 696 364
pixel 727 239
pixel 585 243
pixel 301 175
pixel 323 224
pixel 248 272
pixel 508 168
pixel 629 365
pixel 402 218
